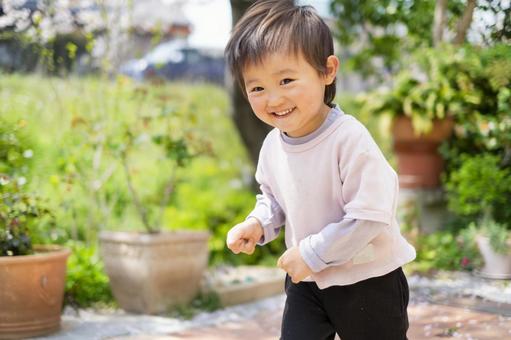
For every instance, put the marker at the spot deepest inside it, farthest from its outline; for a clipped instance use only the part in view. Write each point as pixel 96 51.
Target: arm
pixel 369 192
pixel 338 243
pixel 269 214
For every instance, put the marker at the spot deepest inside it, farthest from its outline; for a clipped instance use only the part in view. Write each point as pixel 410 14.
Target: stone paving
pixel 451 305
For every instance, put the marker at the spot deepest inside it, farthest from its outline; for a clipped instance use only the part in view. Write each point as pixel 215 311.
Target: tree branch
pixel 465 22
pixel 439 22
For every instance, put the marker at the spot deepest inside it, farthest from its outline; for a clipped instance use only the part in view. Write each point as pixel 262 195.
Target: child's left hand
pixel 293 264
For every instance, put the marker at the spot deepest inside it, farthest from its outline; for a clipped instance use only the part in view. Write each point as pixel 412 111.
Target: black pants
pixel 373 309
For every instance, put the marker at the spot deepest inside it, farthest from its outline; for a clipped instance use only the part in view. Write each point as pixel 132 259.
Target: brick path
pixel 427 321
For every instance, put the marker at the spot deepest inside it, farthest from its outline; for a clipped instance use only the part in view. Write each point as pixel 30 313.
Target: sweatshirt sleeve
pixel 339 243
pixel 267 210
pixel 369 184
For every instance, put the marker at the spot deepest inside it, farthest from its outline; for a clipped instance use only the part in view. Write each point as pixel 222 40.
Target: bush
pixel 445 250
pixel 86 282
pixel 24 217
pixel 480 186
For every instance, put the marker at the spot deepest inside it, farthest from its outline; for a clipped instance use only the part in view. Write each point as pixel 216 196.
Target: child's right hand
pixel 244 236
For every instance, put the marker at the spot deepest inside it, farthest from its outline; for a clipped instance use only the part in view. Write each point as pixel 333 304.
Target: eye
pixel 256 89
pixel 286 81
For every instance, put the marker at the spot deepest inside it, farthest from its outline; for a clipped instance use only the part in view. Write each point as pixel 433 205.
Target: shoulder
pixel 270 140
pixel 269 143
pixel 353 132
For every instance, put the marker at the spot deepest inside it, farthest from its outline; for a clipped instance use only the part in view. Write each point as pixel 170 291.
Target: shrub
pixel 479 187
pixel 86 282
pixel 23 214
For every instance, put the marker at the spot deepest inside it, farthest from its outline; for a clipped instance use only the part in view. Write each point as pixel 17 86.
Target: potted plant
pixel 32 278
pixel 480 190
pixel 424 102
pixel 154 270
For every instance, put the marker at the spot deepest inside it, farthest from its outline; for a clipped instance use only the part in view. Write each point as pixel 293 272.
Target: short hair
pixel 270 26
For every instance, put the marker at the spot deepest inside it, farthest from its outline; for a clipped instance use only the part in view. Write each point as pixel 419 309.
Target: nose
pixel 275 99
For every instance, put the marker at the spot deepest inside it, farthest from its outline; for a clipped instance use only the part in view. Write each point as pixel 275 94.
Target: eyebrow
pixel 279 72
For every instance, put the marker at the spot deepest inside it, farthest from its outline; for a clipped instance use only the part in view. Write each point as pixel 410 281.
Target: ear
pixel 332 65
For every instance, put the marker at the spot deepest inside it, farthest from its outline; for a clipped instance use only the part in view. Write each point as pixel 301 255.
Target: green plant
pixel 21 211
pixel 487 128
pixel 444 250
pixel 480 189
pixel 170 131
pixel 203 302
pixel 498 234
pixel 86 281
pixel 439 82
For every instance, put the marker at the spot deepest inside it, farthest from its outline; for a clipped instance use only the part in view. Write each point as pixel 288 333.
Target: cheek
pixel 257 104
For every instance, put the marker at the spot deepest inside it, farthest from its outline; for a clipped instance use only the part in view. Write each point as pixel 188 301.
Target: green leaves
pixel 445 82
pixel 478 186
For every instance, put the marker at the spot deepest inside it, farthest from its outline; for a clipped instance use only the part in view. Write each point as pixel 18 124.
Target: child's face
pixel 286 92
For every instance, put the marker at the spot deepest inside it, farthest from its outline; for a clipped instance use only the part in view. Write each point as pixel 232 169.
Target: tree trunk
pixel 465 22
pixel 250 128
pixel 439 22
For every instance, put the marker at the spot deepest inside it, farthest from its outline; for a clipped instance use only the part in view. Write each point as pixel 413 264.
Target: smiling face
pixel 286 92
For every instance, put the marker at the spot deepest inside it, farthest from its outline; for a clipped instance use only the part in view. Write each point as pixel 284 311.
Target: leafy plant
pixel 170 132
pixel 439 83
pixel 448 251
pixel 480 189
pixel 21 211
pixel 86 281
pixel 498 234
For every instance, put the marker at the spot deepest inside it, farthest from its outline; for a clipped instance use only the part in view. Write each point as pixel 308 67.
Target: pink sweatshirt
pixel 318 188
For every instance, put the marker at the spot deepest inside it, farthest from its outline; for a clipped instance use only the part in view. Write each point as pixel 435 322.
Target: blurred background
pixel 121 115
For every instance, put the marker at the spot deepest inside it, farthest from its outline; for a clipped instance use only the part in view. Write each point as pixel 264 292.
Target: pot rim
pixel 164 236
pixel 42 253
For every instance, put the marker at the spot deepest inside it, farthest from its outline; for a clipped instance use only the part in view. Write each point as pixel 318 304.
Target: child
pixel 324 178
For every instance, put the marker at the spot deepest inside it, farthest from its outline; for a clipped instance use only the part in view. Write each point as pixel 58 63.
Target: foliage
pixel 441 82
pixel 51 34
pixel 76 138
pixel 481 190
pixel 203 302
pixel 498 234
pixel 479 187
pixel 86 281
pixel 487 128
pixel 171 132
pixel 448 251
pixel 22 213
pixel 380 35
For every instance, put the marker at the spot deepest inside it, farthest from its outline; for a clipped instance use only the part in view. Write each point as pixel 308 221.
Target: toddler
pixel 323 179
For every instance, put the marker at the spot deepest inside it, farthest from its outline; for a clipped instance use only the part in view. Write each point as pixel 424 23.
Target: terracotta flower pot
pixel 32 292
pixel 419 163
pixel 151 273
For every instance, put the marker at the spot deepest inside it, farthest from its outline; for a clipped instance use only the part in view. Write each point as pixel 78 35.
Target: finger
pixel 236 246
pixel 280 262
pixel 232 238
pixel 249 247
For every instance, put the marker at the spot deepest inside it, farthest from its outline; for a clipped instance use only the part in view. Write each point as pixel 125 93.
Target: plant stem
pixel 136 200
pixel 169 188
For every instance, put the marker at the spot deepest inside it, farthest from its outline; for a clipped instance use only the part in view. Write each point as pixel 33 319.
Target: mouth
pixel 284 113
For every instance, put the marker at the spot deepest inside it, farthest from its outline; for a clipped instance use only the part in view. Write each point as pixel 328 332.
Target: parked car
pixel 177 61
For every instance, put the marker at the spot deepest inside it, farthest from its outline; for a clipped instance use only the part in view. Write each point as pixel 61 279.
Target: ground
pixel 448 305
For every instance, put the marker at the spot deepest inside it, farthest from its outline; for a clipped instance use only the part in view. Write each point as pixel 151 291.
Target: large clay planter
pixel 496 266
pixel 152 273
pixel 419 163
pixel 32 292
